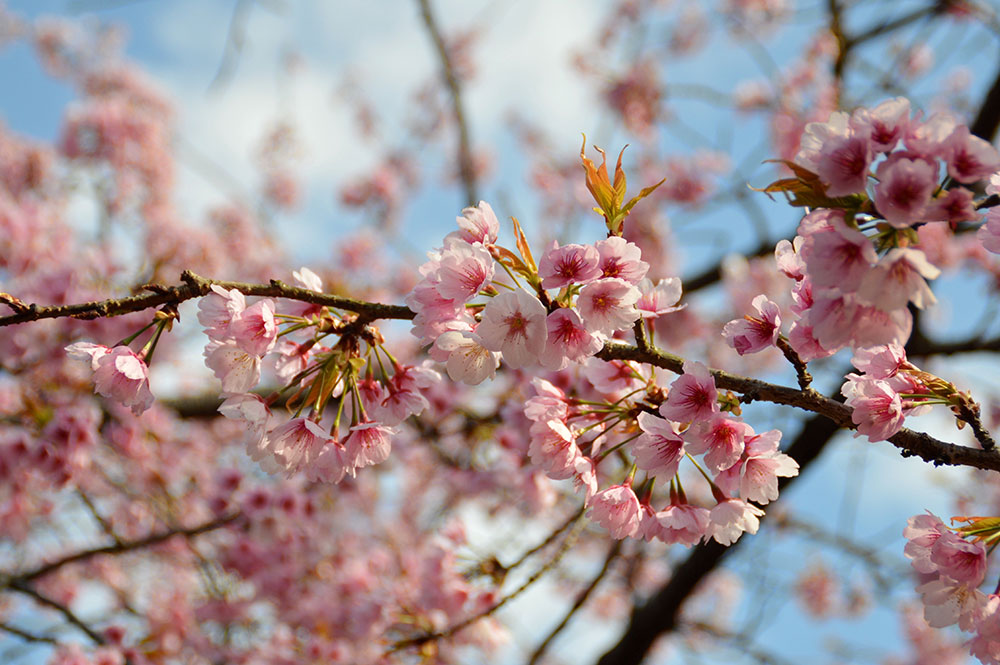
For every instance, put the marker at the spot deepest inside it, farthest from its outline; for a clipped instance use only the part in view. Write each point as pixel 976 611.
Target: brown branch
pixel 466 166
pixel 18 580
pixel 581 599
pixel 24 588
pixel 196 286
pixel 909 442
pixel 564 547
pixel 25 635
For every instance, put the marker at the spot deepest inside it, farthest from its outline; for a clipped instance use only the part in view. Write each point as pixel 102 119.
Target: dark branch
pixel 18 580
pixel 24 588
pixel 581 599
pixel 196 286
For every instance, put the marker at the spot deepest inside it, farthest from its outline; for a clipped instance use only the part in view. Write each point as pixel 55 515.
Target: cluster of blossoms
pixel 892 388
pixel 857 261
pixel 951 564
pixel 375 394
pixel 853 261
pixel 601 292
pixel 744 465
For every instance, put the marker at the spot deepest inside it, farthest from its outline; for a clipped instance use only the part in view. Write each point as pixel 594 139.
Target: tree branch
pixel 24 588
pixel 911 443
pixel 16 581
pixel 581 599
pixel 466 167
pixel 196 286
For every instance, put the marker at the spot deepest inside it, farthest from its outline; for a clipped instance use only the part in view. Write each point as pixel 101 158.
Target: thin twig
pixel 466 166
pixel 20 579
pixel 564 547
pixel 26 636
pixel 24 588
pixel 581 599
pixel 549 539
pixel 196 286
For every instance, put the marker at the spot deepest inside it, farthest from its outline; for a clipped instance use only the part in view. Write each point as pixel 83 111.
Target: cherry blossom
pixel 119 374
pixel 617 510
pixel 569 264
pixel 755 333
pixel 729 519
pixel 608 305
pixel 692 395
pixel 514 325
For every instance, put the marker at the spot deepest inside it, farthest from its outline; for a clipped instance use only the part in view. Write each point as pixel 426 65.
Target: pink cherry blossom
pixel 468 360
pixel 843 163
pixel 947 602
pixel 755 333
pixel 568 340
pixel 692 396
pixel 683 523
pixel 617 510
pixel 886 124
pixel 837 256
pixel 989 233
pixel 297 444
pixel 608 305
pixel 969 157
pixel 720 437
pixel 880 362
pixel 729 519
pixel 622 259
pixel 659 299
pixel 514 325
pixel 616 377
pixel 217 310
pixel 763 465
pixel 254 330
pixel 921 532
pixel 786 255
pixel 659 450
pixel 876 408
pixel 119 374
pixel 368 443
pixel 986 644
pixel 898 278
pixel 958 559
pixel 904 189
pixel 404 394
pixel 463 270
pixel 569 264
pixel 955 205
pixel 553 448
pixel 928 138
pixel 238 369
pixel 479 224
pixel 548 403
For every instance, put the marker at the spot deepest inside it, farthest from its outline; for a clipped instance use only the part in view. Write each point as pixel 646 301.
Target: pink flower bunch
pixel 600 288
pixel 845 294
pixel 239 337
pixel 755 333
pixel 951 568
pixel 842 150
pixel 746 465
pixel 854 286
pixel 885 394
